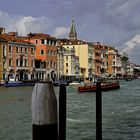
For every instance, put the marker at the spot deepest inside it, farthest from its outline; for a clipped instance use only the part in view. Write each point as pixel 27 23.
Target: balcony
pixel 22 68
pixel 11 68
pixel 40 69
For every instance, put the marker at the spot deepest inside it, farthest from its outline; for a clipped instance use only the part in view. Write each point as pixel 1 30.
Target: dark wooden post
pixel 62 112
pixel 98 111
pixel 44 112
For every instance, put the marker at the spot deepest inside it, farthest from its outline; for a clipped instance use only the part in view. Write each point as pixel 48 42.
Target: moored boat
pixel 19 83
pixel 13 84
pixel 104 86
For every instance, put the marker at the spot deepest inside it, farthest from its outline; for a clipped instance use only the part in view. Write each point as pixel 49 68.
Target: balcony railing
pixel 22 68
pixel 40 69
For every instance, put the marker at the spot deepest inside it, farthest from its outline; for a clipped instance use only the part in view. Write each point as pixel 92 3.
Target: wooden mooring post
pixel 98 111
pixel 44 112
pixel 62 112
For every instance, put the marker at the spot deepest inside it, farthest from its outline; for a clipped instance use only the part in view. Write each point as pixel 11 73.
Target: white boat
pixel 76 83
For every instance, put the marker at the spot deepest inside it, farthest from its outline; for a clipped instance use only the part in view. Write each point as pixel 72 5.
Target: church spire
pixel 72 33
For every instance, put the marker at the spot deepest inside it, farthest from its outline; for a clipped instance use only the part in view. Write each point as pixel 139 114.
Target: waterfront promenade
pixel 121 113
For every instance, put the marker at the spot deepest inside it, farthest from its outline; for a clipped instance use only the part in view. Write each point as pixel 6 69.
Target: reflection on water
pixel 120 114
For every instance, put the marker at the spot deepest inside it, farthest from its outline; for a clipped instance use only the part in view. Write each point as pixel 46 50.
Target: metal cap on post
pixel 44 112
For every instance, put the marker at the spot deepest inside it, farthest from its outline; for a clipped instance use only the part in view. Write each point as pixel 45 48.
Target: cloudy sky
pixel 113 22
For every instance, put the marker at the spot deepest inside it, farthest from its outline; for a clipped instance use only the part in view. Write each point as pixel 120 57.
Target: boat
pixel 128 79
pixel 61 82
pixel 75 83
pixel 30 82
pixel 104 86
pixel 13 83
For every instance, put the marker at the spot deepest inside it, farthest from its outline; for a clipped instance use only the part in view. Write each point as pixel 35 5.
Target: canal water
pixel 120 114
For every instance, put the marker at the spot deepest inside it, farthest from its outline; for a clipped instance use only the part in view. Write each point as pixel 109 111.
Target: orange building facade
pixel 100 58
pixel 46 55
pixel 18 58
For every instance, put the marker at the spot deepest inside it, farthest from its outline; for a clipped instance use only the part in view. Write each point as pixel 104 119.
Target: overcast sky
pixel 113 22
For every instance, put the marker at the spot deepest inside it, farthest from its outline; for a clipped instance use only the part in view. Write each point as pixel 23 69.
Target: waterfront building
pixel 46 55
pixel 71 63
pixel 17 57
pixel 60 61
pixel 2 59
pixel 137 71
pixel 130 68
pixel 84 52
pixel 2 30
pixel 124 60
pixel 114 62
pixel 100 58
pixel 67 63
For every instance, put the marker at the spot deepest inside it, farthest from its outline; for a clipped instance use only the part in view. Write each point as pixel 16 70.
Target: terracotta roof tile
pixel 12 38
pixel 40 35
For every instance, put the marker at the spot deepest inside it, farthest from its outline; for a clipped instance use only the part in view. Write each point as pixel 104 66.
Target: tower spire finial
pixel 72 33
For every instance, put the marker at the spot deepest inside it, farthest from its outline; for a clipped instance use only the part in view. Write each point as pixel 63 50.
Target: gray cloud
pixel 25 24
pixel 109 21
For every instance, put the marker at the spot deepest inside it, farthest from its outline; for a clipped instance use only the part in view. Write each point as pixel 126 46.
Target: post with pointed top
pixel 44 112
pixel 98 111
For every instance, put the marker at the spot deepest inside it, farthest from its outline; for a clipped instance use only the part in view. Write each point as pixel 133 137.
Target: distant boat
pixel 13 84
pixel 128 79
pixel 20 83
pixel 104 86
pixel 75 83
pixel 61 82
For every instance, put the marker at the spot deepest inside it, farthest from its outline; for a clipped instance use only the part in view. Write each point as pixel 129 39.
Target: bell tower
pixel 72 33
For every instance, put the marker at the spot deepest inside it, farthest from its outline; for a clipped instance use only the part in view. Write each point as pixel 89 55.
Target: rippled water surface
pixel 120 114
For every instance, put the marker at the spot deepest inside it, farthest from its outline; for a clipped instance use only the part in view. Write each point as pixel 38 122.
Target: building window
pixel 21 49
pixel 17 62
pixel 32 64
pixel 32 50
pixel 113 62
pixel 66 64
pixel 21 61
pixel 25 63
pixel 51 64
pixel 66 70
pixel 42 52
pixel 54 65
pixel 66 57
pixel 54 42
pixel 25 50
pixel 10 48
pixel 42 41
pixel 10 62
pixel 17 49
pixel 4 51
pixel 36 41
pixel 48 64
pixel 48 42
pixel 51 52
